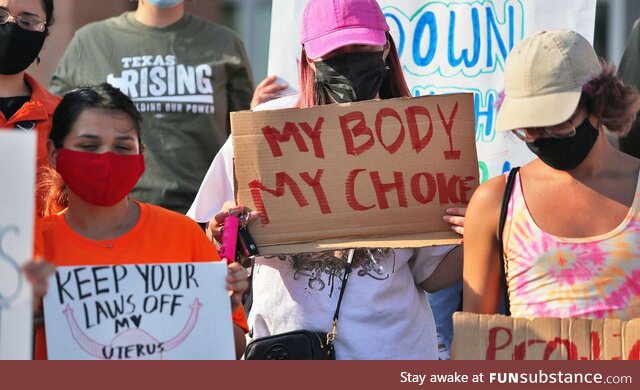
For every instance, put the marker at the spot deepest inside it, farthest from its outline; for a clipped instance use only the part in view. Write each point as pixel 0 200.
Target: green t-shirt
pixel 184 79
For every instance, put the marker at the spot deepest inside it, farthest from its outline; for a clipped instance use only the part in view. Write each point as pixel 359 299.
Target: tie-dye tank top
pixel 550 276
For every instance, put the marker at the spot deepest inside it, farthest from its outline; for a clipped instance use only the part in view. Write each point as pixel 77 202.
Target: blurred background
pixel 251 19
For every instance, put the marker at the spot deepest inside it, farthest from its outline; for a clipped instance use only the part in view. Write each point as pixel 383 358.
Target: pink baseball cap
pixel 330 24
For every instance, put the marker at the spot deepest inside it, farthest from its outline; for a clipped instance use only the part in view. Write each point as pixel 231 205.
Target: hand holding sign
pixel 37 273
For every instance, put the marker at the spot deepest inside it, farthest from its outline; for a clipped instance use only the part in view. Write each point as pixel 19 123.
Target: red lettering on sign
pixel 282 180
pixel 634 352
pixel 448 127
pixel 360 129
pixel 465 190
pixel 595 346
pixel 418 143
pixel 274 137
pixel 381 189
pixel 386 113
pixel 314 134
pixel 492 348
pixel 350 191
pixel 314 183
pixel 572 350
pixel 416 188
pixel 447 188
pixel 520 350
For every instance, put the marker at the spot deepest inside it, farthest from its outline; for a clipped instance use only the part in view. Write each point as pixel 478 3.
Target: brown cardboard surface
pixel 368 174
pixel 497 337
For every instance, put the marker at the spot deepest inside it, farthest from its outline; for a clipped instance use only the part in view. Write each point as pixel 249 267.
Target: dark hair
pixel 103 96
pixel 90 96
pixel 48 11
pixel 610 101
pixel 394 85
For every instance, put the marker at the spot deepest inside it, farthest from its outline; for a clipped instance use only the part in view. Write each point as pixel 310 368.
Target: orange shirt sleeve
pixel 240 319
pixel 38 240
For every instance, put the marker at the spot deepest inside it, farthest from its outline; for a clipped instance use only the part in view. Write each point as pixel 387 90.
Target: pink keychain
pixel 230 238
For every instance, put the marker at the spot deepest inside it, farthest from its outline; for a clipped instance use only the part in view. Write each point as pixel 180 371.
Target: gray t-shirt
pixel 184 79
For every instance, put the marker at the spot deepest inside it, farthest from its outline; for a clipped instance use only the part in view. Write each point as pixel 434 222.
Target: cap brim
pixel 327 43
pixel 537 111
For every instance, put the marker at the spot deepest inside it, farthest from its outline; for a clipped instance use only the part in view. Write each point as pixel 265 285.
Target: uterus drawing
pixel 131 344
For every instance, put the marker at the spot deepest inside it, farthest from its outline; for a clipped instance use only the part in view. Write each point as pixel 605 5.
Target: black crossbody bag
pixel 300 344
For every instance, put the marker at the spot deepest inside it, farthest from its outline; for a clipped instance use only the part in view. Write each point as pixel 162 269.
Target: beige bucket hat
pixel 544 75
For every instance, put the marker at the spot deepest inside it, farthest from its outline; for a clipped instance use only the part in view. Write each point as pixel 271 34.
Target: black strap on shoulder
pixel 508 190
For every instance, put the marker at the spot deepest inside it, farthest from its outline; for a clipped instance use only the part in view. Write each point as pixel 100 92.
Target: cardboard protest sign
pixel 497 337
pixel 17 177
pixel 122 312
pixel 369 174
pixel 448 47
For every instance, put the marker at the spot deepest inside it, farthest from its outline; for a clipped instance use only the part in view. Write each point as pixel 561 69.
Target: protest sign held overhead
pixel 368 174
pixel 17 175
pixel 131 312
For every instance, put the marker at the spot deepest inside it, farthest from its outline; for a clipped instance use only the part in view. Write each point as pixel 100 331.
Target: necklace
pixel 119 230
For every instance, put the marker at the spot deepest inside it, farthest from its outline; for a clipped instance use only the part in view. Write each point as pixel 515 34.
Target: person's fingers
pixel 461 211
pixel 458 229
pixel 219 218
pixel 237 278
pixel 35 270
pixel 252 216
pixel 40 290
pixel 238 287
pixel 272 89
pixel 267 81
pixel 454 220
pixel 226 211
pixel 263 98
pixel 236 273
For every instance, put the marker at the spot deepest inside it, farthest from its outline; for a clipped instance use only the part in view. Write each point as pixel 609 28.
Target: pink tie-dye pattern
pixel 554 277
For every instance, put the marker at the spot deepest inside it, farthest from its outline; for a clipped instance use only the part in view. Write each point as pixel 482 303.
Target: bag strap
pixel 347 271
pixel 508 190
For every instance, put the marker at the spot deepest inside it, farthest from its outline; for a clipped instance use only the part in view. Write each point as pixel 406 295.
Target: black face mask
pixel 565 154
pixel 351 77
pixel 18 48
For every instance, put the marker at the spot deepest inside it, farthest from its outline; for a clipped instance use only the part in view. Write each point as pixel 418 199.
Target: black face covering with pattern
pixel 351 77
pixel 18 48
pixel 565 154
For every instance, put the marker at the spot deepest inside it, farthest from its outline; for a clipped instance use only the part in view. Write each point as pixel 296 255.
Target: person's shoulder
pixel 488 196
pixel 39 93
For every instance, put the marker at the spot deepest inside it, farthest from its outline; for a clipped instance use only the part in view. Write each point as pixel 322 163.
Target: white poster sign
pixel 451 46
pixel 149 311
pixel 17 181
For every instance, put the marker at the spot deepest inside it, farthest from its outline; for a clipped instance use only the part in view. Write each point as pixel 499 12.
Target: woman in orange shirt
pixel 95 148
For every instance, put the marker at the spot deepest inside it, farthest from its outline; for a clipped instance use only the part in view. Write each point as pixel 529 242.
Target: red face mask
pixel 102 179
